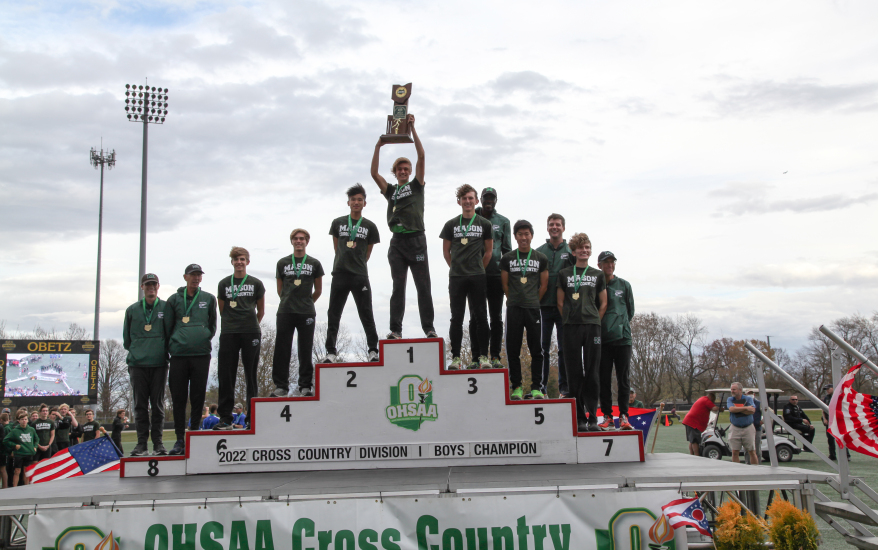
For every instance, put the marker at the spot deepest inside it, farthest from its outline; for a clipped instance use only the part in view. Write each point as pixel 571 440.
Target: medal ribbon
pixel 577 281
pixel 460 225
pixel 352 229
pixel 148 319
pixel 236 291
pixel 396 193
pixel 299 266
pixel 526 262
pixel 189 307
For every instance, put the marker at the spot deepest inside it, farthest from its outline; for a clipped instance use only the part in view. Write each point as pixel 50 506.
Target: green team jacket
pixel 616 324
pixel 559 258
pixel 145 348
pixel 502 236
pixel 192 338
pixel 26 437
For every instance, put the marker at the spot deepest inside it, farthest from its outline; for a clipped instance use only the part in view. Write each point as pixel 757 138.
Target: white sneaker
pixel 280 392
pixel 373 356
pixel 305 392
pixel 331 358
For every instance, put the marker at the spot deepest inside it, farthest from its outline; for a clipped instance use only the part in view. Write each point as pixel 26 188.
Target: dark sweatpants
pixel 519 319
pixel 462 290
pixel 550 319
pixel 188 376
pixel 582 347
pixel 287 325
pixel 148 384
pixel 494 291
pixel 230 344
pixel 358 285
pixel 620 357
pixel 409 251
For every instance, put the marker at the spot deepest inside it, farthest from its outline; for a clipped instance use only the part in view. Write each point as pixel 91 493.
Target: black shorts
pixel 693 435
pixel 22 461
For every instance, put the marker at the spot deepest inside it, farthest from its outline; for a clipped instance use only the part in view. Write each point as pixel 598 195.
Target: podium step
pixel 844 510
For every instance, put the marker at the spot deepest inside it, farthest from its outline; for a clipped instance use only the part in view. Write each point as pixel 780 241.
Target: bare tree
pixel 653 355
pixel 113 382
pixel 689 373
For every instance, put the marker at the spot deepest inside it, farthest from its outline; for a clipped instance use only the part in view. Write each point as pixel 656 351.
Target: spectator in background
pixel 21 442
pixel 757 422
pixel 91 428
pixel 633 402
pixel 795 417
pixel 45 428
pixel 119 423
pixel 212 419
pixel 240 420
pixel 4 452
pixel 741 408
pixel 65 423
pixel 696 421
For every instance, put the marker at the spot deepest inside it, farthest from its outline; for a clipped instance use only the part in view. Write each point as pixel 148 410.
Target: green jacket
pixel 502 241
pixel 26 437
pixel 192 338
pixel 616 325
pixel 559 258
pixel 145 348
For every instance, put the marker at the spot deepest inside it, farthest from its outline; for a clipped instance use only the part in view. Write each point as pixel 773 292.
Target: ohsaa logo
pixel 85 537
pixel 411 403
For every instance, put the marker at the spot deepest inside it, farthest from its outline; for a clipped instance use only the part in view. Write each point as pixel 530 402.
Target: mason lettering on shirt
pixel 240 319
pixel 353 260
pixel 525 294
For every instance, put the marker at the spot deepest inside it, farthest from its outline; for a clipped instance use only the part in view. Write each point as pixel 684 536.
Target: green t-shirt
pixel 62 430
pixel 90 430
pixel 583 311
pixel 44 429
pixel 297 298
pixel 352 260
pixel 240 319
pixel 559 258
pixel 409 203
pixel 524 294
pixel 466 259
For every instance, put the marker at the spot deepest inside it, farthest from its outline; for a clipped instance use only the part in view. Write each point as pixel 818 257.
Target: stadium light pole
pixel 146 105
pixel 108 159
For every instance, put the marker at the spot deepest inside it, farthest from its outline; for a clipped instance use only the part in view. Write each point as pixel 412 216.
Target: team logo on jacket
pixel 619 293
pixel 411 403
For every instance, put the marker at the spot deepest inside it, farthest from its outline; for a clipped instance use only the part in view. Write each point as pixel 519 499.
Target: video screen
pixel 46 374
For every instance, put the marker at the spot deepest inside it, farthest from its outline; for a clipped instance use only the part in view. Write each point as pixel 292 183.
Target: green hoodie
pixel 616 324
pixel 192 338
pixel 502 241
pixel 26 437
pixel 559 258
pixel 146 348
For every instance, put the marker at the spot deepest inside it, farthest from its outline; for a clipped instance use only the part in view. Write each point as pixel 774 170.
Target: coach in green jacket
pixel 615 341
pixel 190 324
pixel 143 336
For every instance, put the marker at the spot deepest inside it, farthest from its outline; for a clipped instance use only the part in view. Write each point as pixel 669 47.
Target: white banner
pixel 575 520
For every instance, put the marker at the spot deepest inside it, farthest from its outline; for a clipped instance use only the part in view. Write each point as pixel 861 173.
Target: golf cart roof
pixel 754 390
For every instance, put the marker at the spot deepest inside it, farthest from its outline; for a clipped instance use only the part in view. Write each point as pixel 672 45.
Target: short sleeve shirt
pixel 525 294
pixel 405 206
pixel 90 430
pixel 466 259
pixel 699 414
pixel 352 259
pixel 583 310
pixel 241 318
pixel 741 420
pixel 297 298
pixel 44 429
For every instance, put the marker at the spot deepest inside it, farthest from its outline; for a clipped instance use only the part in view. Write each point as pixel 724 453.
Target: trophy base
pixel 396 138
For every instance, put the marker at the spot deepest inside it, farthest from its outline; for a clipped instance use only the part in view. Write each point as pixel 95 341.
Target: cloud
pixel 802 94
pixel 751 198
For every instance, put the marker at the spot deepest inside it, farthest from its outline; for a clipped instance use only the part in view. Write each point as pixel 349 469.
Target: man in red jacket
pixel 696 421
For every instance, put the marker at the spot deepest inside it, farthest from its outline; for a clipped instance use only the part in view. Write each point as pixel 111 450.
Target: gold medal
pixel 147 328
pixel 351 244
pixel 186 319
pixel 464 240
pixel 233 303
pixel 575 296
pixel 297 282
pixel 524 280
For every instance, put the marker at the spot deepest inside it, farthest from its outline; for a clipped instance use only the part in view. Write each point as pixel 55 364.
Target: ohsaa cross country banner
pixel 586 521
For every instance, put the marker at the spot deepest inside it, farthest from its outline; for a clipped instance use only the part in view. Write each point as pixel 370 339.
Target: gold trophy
pixel 398 130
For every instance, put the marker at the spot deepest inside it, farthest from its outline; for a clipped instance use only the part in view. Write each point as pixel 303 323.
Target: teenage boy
pixel 144 337
pixel 408 246
pixel 119 423
pixel 615 342
pixel 493 287
pixel 582 301
pixel 353 237
pixel 91 428
pixel 525 277
pixel 21 444
pixel 241 300
pixel 66 424
pixel 240 418
pixel 190 325
pixel 45 428
pixel 299 285
pixel 558 253
pixel 212 419
pixel 467 244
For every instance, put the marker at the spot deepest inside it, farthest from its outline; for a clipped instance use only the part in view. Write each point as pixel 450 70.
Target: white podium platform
pixel 404 411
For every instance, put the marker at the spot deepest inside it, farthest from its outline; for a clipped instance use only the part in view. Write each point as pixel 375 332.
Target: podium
pixel 404 411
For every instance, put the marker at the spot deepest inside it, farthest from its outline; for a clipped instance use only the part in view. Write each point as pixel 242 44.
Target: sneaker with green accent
pixel 496 364
pixel 455 364
pixel 484 362
pixel 536 394
pixel 473 366
pixel 517 394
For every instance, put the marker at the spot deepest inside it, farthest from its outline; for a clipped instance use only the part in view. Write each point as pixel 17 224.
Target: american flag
pixel 90 457
pixel 853 416
pixel 687 512
pixel 640 419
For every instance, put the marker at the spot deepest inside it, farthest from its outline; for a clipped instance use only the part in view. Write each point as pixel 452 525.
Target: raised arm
pixel 379 179
pixel 420 166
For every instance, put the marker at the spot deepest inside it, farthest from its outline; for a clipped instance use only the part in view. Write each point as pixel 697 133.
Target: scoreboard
pixel 48 371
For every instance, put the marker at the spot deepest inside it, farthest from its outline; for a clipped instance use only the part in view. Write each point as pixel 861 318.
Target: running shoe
pixel 516 394
pixel 496 364
pixel 624 424
pixel 484 362
pixel 537 394
pixel 373 356
pixel 394 336
pixel 455 364
pixel 607 424
pixel 432 334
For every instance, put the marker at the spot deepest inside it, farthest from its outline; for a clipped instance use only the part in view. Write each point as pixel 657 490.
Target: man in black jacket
pixel 795 417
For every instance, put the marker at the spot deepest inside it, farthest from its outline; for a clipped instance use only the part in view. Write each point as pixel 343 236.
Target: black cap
pixel 489 191
pixel 149 278
pixel 193 268
pixel 606 254
pixel 827 386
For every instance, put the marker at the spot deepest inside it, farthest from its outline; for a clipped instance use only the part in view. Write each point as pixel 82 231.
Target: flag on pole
pixel 853 416
pixel 90 457
pixel 687 512
pixel 640 419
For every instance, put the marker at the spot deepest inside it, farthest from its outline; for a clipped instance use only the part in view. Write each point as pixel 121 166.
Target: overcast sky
pixel 725 153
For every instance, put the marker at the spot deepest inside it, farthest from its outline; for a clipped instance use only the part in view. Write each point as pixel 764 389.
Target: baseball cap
pixel 149 278
pixel 489 191
pixel 606 254
pixel 238 406
pixel 193 268
pixel 827 386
